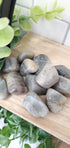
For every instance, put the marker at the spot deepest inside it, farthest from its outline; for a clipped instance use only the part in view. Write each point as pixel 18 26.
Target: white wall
pixel 57 30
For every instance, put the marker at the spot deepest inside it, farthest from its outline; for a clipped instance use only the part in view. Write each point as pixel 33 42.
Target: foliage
pixel 11 35
pixel 6 36
pixel 0 2
pixel 27 146
pixel 24 130
pixel 36 13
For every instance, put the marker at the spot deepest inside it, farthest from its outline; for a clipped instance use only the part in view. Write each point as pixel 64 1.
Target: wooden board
pixel 55 124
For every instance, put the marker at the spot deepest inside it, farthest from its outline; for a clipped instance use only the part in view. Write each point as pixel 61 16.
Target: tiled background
pixel 57 30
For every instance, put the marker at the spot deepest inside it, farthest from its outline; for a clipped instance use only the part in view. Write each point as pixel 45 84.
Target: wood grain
pixel 55 124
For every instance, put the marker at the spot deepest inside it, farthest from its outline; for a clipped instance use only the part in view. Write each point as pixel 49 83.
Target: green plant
pixel 36 13
pixel 11 35
pixel 24 130
pixel 6 36
pixel 0 2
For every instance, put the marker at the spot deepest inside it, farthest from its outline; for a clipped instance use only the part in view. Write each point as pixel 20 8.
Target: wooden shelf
pixel 55 124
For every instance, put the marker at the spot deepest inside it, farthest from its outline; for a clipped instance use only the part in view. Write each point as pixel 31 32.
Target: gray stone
pixel 41 60
pixel 63 70
pixel 63 86
pixel 48 76
pixel 35 105
pixel 33 86
pixel 11 64
pixel 28 66
pixel 15 83
pixel 3 89
pixel 55 100
pixel 25 54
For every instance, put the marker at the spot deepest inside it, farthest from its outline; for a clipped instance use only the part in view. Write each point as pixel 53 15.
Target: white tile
pixel 67 41
pixel 54 30
pixel 27 3
pixel 64 3
pixel 24 11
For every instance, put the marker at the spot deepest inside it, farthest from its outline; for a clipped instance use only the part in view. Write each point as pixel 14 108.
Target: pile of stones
pixel 37 75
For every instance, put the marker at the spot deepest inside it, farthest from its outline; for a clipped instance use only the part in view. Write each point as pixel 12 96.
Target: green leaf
pixel 1 63
pixel 17 31
pixel 6 113
pixel 15 118
pixel 36 13
pixel 4 22
pixel 13 18
pixel 4 52
pixel 48 142
pixel 6 131
pixel 6 36
pixel 4 141
pixel 43 135
pixel 16 14
pixel 27 146
pixel 50 15
pixel 0 2
pixel 41 145
pixel 59 9
pixel 55 4
pixel 14 42
pixel 25 126
pixel 25 23
pixel 34 134
pixel 11 122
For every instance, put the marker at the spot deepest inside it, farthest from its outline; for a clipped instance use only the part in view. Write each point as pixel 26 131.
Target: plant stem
pixel 15 138
pixel 18 136
pixel 14 21
pixel 57 142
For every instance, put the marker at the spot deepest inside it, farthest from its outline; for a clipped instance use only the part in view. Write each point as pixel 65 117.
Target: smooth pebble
pixel 35 105
pixel 25 54
pixel 28 66
pixel 11 64
pixel 15 83
pixel 3 89
pixel 63 71
pixel 30 81
pixel 55 100
pixel 41 60
pixel 48 76
pixel 63 85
